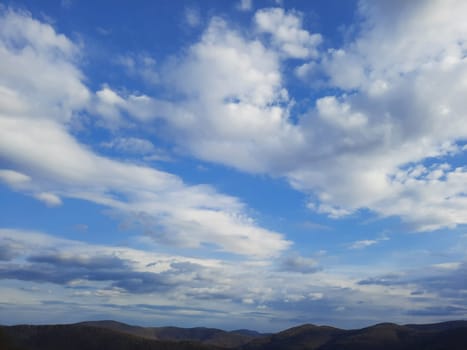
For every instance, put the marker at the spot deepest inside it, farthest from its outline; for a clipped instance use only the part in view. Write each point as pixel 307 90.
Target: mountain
pixel 207 336
pixel 83 337
pixel 303 337
pixel 119 336
pixel 385 336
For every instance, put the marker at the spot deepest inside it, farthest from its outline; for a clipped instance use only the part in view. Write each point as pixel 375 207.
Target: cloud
pixel 300 264
pixel 452 311
pixel 131 145
pixel 367 242
pixel 113 108
pixel 192 17
pixel 120 280
pixel 253 104
pixel 245 5
pixel 13 178
pixel 383 140
pixel 77 263
pixel 140 65
pixel 393 101
pixel 35 138
pixel 49 199
pixel 9 249
pixel 287 33
pixel 386 280
pixel 362 244
pixel 439 281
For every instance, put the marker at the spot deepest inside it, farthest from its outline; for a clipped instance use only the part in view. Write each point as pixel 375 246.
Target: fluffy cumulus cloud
pixel 384 141
pixel 287 33
pixel 393 135
pixel 233 103
pixel 42 92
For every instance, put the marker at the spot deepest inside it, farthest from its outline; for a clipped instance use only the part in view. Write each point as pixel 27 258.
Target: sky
pixel 233 164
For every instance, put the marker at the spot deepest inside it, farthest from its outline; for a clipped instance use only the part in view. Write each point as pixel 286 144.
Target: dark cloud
pixel 79 261
pixel 385 280
pixel 175 308
pixel 7 251
pixel 438 279
pixel 447 283
pixel 439 311
pixel 63 269
pixel 143 282
pixel 296 263
pixel 417 292
pixel 452 282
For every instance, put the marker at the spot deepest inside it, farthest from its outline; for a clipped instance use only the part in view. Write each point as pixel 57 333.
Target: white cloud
pixel 245 5
pixel 253 104
pixel 354 149
pixel 35 139
pixel 131 145
pixel 287 32
pixel 49 199
pixel 363 243
pixel 113 108
pixel 396 117
pixel 192 17
pixel 13 178
pixel 140 65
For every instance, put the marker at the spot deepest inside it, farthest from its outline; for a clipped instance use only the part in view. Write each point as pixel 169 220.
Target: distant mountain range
pixel 113 335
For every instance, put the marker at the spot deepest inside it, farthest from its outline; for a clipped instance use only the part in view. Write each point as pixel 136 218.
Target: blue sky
pixel 233 164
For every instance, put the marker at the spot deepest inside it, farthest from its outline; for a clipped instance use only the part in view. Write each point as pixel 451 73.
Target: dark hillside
pixel 119 336
pixel 81 337
pixel 208 336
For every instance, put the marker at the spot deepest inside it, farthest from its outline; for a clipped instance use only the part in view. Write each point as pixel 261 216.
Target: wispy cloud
pixel 362 244
pixel 192 16
pixel 245 5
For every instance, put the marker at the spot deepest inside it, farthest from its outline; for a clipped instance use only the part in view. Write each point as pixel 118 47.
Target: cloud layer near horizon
pixel 125 282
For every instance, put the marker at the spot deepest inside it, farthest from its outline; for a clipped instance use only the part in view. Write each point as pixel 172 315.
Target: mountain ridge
pixel 93 335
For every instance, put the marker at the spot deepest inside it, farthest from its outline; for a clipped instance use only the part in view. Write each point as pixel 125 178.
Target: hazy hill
pixel 119 336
